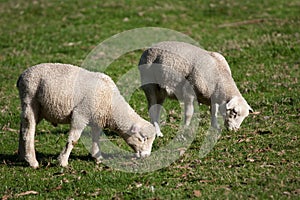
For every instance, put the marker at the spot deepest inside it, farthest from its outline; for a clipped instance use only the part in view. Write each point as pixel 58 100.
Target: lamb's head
pixel 237 109
pixel 140 138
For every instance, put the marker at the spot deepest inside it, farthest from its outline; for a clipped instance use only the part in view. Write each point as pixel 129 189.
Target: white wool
pixel 66 94
pixel 170 69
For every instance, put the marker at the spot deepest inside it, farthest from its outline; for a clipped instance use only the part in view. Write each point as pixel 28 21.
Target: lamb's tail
pixel 148 57
pixel 18 81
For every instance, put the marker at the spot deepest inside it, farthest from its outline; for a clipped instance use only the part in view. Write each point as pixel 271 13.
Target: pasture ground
pixel 261 42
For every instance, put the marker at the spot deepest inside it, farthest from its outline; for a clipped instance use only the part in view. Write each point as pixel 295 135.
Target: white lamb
pixel 66 94
pixel 184 71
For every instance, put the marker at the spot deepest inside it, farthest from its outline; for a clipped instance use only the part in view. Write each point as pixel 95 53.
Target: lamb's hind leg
pixel 155 100
pixel 27 130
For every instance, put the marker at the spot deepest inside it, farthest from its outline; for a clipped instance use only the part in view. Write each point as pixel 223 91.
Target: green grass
pixel 260 40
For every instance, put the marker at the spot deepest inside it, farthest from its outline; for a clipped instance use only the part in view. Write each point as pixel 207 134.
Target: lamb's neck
pixel 226 90
pixel 123 116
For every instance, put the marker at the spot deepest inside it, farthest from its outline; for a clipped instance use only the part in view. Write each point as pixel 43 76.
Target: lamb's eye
pixel 143 139
pixel 234 113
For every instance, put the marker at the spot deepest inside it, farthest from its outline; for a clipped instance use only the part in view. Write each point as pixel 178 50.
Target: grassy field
pixel 260 40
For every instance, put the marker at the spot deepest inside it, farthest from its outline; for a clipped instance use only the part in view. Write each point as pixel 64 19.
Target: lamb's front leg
pixel 95 151
pixel 188 109
pixel 73 138
pixel 214 115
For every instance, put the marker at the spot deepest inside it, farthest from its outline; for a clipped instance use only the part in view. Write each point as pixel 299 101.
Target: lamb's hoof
pixel 32 162
pixel 157 130
pixel 34 165
pixel 98 160
pixel 159 134
pixel 62 162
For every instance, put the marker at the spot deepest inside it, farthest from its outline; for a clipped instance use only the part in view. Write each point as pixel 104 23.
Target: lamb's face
pixel 141 139
pixel 237 109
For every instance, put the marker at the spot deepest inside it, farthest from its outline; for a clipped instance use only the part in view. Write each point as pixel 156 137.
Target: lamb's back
pixel 60 88
pixel 177 61
pixel 181 57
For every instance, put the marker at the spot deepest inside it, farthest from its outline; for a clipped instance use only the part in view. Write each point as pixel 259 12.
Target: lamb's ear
pixel 134 129
pixel 250 110
pixel 232 103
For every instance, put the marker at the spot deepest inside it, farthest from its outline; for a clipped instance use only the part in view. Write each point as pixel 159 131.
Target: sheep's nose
pixel 231 128
pixel 143 154
pixel 234 129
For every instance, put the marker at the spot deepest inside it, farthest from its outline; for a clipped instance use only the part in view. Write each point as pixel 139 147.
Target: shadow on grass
pixel 47 160
pixel 10 160
pixel 44 159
